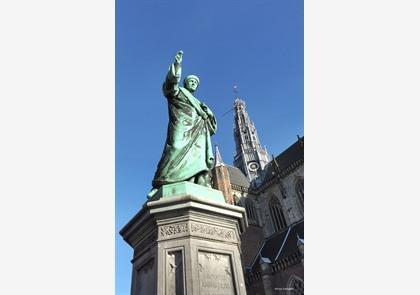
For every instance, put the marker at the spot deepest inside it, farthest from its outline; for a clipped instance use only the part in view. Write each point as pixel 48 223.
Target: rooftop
pixel 280 245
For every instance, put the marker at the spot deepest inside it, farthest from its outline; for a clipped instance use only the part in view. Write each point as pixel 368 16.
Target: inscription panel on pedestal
pixel 215 274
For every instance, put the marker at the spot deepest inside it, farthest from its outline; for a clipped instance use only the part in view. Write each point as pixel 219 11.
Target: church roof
pixel 280 244
pixel 237 177
pixel 292 154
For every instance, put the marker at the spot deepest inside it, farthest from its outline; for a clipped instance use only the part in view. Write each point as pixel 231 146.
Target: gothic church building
pixel 272 192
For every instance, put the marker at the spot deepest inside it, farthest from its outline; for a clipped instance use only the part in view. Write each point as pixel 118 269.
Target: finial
pixel 236 91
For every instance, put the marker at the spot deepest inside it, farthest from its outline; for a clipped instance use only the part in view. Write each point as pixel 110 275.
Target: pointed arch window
pixel 251 212
pixel 277 215
pixel 295 286
pixel 299 192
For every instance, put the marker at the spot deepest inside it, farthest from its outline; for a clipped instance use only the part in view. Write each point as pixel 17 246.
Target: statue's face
pixel 191 85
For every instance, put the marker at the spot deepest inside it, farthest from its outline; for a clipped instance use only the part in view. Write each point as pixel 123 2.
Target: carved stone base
pixel 186 245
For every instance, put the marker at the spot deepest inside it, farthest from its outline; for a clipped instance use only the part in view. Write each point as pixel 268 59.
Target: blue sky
pixel 256 44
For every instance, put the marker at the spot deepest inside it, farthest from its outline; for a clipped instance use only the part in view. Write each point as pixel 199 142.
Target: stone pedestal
pixel 186 244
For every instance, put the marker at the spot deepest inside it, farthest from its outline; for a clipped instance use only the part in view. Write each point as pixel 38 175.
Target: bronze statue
pixel 187 155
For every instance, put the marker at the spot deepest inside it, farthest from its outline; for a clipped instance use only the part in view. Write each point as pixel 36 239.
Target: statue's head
pixel 191 82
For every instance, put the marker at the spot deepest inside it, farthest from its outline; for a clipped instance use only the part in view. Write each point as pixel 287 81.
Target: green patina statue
pixel 187 155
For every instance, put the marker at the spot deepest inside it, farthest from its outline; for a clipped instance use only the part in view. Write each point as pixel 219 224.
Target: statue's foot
pixel 152 193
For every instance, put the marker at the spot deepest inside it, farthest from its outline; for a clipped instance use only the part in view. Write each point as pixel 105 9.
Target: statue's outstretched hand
pixel 178 57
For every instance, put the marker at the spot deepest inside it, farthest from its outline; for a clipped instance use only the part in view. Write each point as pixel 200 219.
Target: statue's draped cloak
pixel 188 149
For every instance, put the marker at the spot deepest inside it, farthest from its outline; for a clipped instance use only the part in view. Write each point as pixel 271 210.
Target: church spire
pixel 218 158
pixel 251 157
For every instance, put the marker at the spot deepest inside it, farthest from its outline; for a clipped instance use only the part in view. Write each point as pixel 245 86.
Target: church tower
pixel 251 157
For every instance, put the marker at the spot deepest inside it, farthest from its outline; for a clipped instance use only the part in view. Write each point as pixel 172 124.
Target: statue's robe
pixel 188 150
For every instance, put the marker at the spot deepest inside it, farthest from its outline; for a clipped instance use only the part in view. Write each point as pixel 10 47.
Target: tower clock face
pixel 253 166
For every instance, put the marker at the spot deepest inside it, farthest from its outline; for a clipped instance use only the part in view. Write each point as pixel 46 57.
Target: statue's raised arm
pixel 173 77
